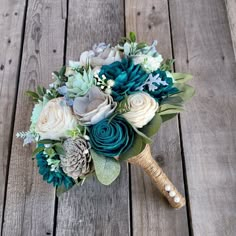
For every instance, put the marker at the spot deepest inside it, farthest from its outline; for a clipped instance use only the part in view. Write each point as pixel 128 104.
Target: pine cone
pixel 77 161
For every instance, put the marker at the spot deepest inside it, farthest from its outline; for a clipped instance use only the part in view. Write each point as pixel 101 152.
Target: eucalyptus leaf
pixel 168 117
pixel 152 127
pixel 32 94
pixel 186 91
pixel 107 169
pixel 167 109
pixel 182 77
pixel 146 139
pixel 137 147
pixel 46 141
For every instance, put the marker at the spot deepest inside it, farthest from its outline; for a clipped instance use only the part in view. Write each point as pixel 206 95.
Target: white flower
pixel 98 58
pixel 148 63
pixel 55 120
pixel 142 109
pixel 94 106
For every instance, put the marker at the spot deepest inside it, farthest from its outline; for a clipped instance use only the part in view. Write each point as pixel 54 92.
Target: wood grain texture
pixel 203 47
pixel 30 201
pixel 231 8
pixel 94 209
pixel 151 213
pixel 11 25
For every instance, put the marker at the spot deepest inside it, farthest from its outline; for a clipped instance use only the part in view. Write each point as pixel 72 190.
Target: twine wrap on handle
pixel 150 166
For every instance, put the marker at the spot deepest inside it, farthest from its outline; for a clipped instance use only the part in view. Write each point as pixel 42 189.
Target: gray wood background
pixel 197 150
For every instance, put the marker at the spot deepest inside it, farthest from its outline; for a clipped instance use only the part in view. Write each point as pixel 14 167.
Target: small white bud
pixel 86 137
pixel 110 82
pixel 108 91
pixel 102 87
pixel 47 145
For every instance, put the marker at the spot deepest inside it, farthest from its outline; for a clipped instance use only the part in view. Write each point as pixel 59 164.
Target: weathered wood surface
pixel 30 201
pixel 231 9
pixel 202 46
pixel 94 209
pixel 11 25
pixel 151 213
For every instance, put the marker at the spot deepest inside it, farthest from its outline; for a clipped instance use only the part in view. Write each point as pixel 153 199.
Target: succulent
pixel 78 84
pixel 77 161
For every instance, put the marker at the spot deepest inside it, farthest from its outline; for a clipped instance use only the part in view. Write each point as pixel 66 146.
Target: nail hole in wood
pixel 10 61
pixel 9 41
pixel 149 26
pixel 15 13
pixel 138 13
pixel 2 67
pixel 54 50
pixel 153 8
pixel 37 51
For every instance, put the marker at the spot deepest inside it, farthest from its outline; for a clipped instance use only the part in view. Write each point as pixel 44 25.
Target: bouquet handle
pixel 165 186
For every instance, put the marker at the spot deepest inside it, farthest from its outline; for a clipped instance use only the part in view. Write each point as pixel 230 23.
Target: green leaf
pixel 59 149
pixel 37 150
pixel 186 91
pixel 137 147
pixel 146 139
pixel 107 169
pixel 132 37
pixel 62 71
pixel 141 45
pixel 177 101
pixel 46 141
pixel 40 91
pixel 181 77
pixel 32 94
pixel 152 127
pixel 167 109
pixel 168 117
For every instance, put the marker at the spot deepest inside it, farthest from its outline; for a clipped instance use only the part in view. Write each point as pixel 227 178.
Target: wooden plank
pixel 151 212
pixel 231 8
pixel 94 209
pixel 11 25
pixel 30 201
pixel 209 125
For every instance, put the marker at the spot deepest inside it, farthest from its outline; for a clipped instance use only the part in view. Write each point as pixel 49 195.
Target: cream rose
pixel 142 109
pixel 55 120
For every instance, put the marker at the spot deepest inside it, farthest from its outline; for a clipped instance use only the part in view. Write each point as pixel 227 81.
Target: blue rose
pixel 110 138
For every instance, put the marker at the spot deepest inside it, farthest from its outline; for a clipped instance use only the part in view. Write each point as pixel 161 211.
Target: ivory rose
pixel 142 109
pixel 55 120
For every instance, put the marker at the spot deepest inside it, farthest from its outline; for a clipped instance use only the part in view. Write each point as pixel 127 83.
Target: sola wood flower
pixel 148 63
pixel 77 161
pixel 94 106
pixel 99 56
pixel 55 120
pixel 111 138
pixel 142 108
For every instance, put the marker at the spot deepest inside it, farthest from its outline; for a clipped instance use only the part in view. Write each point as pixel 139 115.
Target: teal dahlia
pixel 127 76
pixel 110 138
pixel 56 177
pixel 159 85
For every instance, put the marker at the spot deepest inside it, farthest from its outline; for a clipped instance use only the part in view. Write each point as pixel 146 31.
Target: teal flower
pixel 78 84
pixel 159 85
pixel 56 177
pixel 110 138
pixel 127 76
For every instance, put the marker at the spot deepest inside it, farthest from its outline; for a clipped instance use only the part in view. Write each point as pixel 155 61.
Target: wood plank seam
pixel 14 111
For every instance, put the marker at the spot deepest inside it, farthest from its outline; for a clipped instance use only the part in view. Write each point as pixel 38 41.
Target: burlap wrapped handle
pixel 150 166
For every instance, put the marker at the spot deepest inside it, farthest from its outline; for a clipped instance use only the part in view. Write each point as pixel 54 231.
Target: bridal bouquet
pixel 102 110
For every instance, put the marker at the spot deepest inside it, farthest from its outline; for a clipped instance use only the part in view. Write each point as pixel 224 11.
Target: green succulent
pixel 79 83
